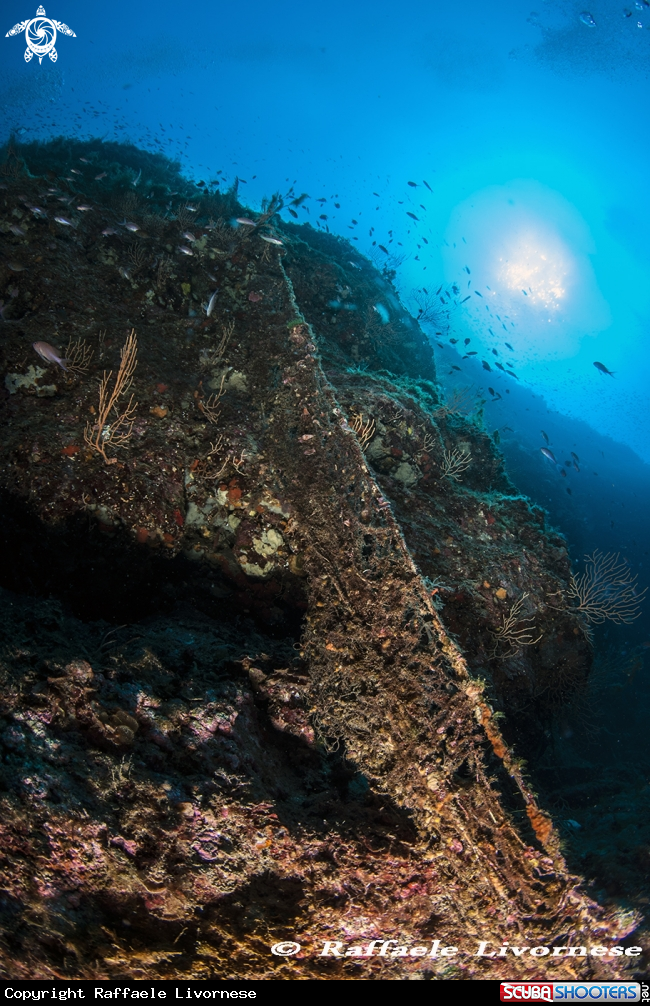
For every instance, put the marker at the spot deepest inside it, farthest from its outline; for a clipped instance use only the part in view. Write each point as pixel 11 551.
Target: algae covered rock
pixel 251 666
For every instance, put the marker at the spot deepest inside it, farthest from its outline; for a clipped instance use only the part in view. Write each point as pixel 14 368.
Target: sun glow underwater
pixel 526 254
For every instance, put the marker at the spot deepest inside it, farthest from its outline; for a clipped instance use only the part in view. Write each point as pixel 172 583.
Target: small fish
pixel 271 241
pixel 124 272
pixel 507 343
pixel 292 212
pixel 466 298
pixel 467 341
pixel 562 473
pixel 210 308
pixel 137 177
pixel 569 492
pixel 486 365
pixel 548 454
pixel 575 457
pixel 497 364
pixel 18 231
pixel 427 185
pixel 245 221
pixel 188 236
pixel 98 178
pixel 587 19
pixel 74 171
pixel 16 266
pixel 49 353
pixel 84 208
pixel 385 250
pixel 64 221
pixel 185 250
pixel 37 211
pixel 413 185
pixel 109 232
pixel 545 435
pixel 575 465
pixel 130 225
pixel 512 374
pixel 602 368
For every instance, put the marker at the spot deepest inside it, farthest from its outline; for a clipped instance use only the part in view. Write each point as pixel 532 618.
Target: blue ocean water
pixel 494 156
pixel 528 127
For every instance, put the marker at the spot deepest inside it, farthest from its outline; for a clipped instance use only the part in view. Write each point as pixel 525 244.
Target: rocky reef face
pixel 261 607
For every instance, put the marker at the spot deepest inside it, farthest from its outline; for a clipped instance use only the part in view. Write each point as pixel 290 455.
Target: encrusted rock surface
pixel 250 666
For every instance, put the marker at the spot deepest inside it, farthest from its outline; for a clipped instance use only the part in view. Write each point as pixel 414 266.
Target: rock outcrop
pixel 253 651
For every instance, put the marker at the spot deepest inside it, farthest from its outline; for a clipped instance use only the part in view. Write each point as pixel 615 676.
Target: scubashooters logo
pixel 40 35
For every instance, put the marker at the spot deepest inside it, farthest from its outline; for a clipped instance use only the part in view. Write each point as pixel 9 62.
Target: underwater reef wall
pixel 264 595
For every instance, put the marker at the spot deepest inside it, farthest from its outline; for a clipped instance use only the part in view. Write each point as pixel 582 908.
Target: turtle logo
pixel 40 35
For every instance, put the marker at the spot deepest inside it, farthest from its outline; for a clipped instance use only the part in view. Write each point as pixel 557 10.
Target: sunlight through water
pixel 534 263
pixel 526 254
